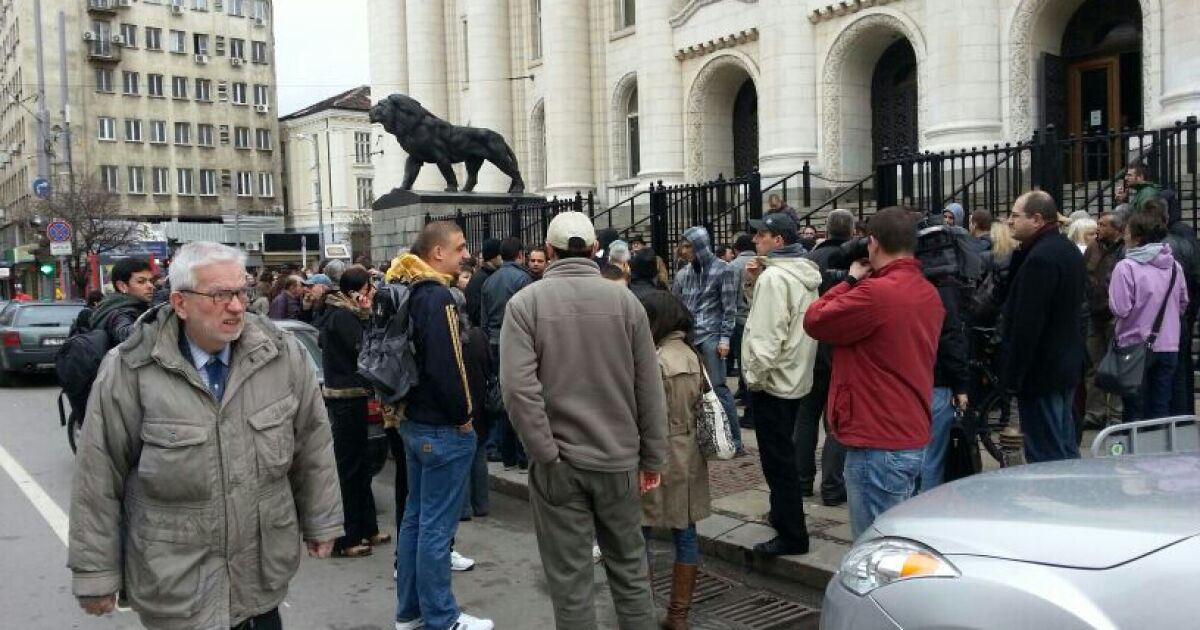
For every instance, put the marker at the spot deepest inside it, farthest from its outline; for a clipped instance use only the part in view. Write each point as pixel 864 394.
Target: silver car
pixel 1108 542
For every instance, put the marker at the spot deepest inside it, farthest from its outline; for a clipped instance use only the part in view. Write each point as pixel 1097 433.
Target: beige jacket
pixel 683 497
pixel 777 354
pixel 197 508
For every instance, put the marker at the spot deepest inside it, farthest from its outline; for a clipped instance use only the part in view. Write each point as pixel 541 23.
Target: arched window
pixel 633 141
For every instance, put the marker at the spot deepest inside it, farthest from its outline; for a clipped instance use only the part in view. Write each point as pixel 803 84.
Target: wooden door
pixel 1094 107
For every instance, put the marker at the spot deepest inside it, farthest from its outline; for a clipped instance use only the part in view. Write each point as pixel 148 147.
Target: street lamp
pixel 317 167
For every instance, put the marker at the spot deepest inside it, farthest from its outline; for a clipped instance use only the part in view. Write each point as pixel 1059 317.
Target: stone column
pixel 490 95
pixel 1180 56
pixel 787 91
pixel 961 79
pixel 660 95
pixel 567 71
pixel 389 74
pixel 426 40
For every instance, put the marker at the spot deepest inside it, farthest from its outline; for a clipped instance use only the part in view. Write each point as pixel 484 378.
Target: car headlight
pixel 883 561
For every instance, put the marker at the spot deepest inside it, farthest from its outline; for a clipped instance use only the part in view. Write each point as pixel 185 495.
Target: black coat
pixel 952 368
pixel 474 293
pixel 828 256
pixel 1043 342
pixel 341 341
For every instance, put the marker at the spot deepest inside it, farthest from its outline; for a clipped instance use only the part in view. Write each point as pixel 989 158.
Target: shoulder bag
pixel 1123 369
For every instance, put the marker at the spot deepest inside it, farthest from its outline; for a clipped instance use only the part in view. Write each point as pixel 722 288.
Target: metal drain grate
pixel 708 586
pixel 762 612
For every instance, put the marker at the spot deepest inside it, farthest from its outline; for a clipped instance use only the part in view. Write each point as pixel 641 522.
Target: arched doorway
pixel 894 101
pixel 745 130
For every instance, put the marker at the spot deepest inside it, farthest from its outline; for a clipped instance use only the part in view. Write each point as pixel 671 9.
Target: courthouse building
pixel 610 95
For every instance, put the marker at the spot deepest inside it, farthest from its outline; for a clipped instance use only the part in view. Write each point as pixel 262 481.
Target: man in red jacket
pixel 883 322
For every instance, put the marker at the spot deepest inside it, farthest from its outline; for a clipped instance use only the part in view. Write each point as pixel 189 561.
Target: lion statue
pixel 427 138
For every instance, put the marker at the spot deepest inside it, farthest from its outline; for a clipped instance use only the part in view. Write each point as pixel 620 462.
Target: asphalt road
pixel 507 585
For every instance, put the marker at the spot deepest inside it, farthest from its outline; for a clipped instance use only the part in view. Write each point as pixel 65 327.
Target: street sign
pixel 60 248
pixel 41 188
pixel 337 250
pixel 59 232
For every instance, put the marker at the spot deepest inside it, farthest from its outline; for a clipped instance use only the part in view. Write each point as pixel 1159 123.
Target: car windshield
pixel 47 316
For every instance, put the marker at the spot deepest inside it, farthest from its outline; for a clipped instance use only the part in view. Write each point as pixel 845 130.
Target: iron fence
pixel 527 222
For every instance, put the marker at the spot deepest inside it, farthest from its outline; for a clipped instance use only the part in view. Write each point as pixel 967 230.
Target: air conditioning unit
pixel 235 61
pixel 118 40
pixel 258 21
pixel 253 247
pixel 262 109
pixel 88 36
pixel 124 3
pixel 201 59
pixel 177 9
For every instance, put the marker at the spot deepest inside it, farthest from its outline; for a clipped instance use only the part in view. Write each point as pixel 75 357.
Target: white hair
pixel 1079 228
pixel 618 252
pixel 200 254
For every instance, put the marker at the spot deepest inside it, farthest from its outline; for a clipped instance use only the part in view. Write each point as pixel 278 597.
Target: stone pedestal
pixel 398 216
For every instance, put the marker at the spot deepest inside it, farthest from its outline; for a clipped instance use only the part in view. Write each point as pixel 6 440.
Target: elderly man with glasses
pixel 206 457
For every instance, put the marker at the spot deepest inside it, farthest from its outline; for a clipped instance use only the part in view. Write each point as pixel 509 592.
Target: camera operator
pixel 884 322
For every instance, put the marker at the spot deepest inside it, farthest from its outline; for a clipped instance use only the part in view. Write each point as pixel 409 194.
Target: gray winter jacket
pixel 197 507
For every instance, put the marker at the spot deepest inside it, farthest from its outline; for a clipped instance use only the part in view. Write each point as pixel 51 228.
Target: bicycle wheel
pixel 994 414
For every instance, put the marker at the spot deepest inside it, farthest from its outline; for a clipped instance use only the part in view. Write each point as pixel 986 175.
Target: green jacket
pixel 1143 192
pixel 197 507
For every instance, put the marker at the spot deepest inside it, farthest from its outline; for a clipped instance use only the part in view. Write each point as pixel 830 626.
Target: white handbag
pixel 713 433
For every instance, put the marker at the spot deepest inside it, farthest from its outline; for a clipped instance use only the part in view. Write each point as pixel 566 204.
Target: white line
pixel 45 505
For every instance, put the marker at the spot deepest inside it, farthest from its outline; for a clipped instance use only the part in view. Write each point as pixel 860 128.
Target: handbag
pixel 713 434
pixel 1123 369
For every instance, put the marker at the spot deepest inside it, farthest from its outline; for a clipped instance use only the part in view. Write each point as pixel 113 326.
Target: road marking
pixel 46 506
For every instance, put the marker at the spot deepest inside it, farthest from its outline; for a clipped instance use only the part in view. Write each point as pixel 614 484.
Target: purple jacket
pixel 1139 283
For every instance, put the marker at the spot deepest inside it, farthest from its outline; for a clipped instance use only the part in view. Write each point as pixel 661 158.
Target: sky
pixel 321 50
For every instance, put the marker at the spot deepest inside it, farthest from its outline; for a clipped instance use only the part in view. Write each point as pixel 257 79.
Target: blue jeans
pixel 715 366
pixel 439 461
pixel 1155 400
pixel 934 468
pixel 476 501
pixel 687 545
pixel 1048 423
pixel 877 480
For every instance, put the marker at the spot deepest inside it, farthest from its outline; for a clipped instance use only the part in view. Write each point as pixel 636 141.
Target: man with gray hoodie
pixel 777 362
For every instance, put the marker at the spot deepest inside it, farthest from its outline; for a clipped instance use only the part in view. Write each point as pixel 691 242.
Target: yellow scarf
pixel 410 268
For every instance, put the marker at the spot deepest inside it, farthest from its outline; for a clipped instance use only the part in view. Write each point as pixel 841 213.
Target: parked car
pixel 1106 542
pixel 31 334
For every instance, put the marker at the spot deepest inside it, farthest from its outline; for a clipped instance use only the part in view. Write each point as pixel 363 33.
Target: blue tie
pixel 216 377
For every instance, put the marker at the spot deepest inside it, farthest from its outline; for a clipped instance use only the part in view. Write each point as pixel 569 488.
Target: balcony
pixel 101 50
pixel 103 7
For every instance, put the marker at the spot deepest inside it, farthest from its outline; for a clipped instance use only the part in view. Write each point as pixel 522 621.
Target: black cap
pixel 778 223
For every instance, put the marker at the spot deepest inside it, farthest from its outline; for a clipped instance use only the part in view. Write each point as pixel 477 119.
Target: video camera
pixel 944 250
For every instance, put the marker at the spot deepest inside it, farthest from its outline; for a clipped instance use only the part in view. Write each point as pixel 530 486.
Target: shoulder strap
pixel 1163 309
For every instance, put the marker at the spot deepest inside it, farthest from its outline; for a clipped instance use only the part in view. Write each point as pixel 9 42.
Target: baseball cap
pixel 319 278
pixel 777 223
pixel 570 225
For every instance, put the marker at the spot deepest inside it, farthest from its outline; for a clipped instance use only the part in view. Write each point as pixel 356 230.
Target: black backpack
pixel 949 251
pixel 77 363
pixel 388 360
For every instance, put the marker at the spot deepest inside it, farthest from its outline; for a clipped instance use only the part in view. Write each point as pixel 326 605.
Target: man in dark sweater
pixel 118 311
pixel 474 291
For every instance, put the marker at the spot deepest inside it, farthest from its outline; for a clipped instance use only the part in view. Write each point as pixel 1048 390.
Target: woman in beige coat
pixel 683 497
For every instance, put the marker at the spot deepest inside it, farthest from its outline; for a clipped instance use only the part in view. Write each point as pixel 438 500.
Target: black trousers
pixel 775 422
pixel 348 419
pixel 1183 399
pixel 833 458
pixel 267 621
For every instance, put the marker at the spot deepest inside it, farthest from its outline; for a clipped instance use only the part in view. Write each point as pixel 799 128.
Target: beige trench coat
pixel 683 497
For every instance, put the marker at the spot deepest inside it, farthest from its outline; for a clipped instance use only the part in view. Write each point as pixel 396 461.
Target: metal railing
pixel 527 221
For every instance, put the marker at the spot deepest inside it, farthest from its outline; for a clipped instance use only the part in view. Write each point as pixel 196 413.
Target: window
pixel 110 175
pixel 366 193
pixel 633 136
pixel 199 5
pixel 200 43
pixel 104 80
pixel 262 95
pixel 245 184
pixel 137 180
pixel 204 90
pixel 204 135
pixel 162 180
pixel 153 38
pixel 236 7
pixel 262 139
pixel 239 93
pixel 241 137
pixel 183 133
pixel 362 147
pixel 208 182
pixel 101 44
pixel 466 55
pixel 133 130
pixel 178 42
pixel 258 9
pixel 184 182
pixel 258 52
pixel 266 184
pixel 107 128
pixel 179 86
pixel 535 28
pixel 158 132
pixel 626 13
pixel 237 48
pixel 131 81
pixel 129 34
pixel 154 85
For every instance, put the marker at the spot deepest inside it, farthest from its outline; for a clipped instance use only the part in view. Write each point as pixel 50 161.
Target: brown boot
pixel 683 582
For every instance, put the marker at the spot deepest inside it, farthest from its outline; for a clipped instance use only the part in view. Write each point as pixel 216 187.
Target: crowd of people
pixel 582 362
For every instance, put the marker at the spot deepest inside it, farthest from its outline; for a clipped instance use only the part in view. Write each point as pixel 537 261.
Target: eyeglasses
pixel 224 296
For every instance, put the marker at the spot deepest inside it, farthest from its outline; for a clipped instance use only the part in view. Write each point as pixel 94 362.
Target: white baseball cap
pixel 568 225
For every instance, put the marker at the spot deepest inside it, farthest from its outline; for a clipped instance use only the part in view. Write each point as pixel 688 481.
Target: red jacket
pixel 885 333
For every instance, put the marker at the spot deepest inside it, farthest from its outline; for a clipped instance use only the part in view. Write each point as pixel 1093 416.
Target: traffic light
pixel 47 269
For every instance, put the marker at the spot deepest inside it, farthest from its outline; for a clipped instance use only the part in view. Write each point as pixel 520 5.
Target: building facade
pixel 611 95
pixel 329 177
pixel 169 103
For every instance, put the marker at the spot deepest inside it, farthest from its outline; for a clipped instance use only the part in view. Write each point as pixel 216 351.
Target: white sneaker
pixel 415 624
pixel 459 562
pixel 467 622
pixel 597 557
